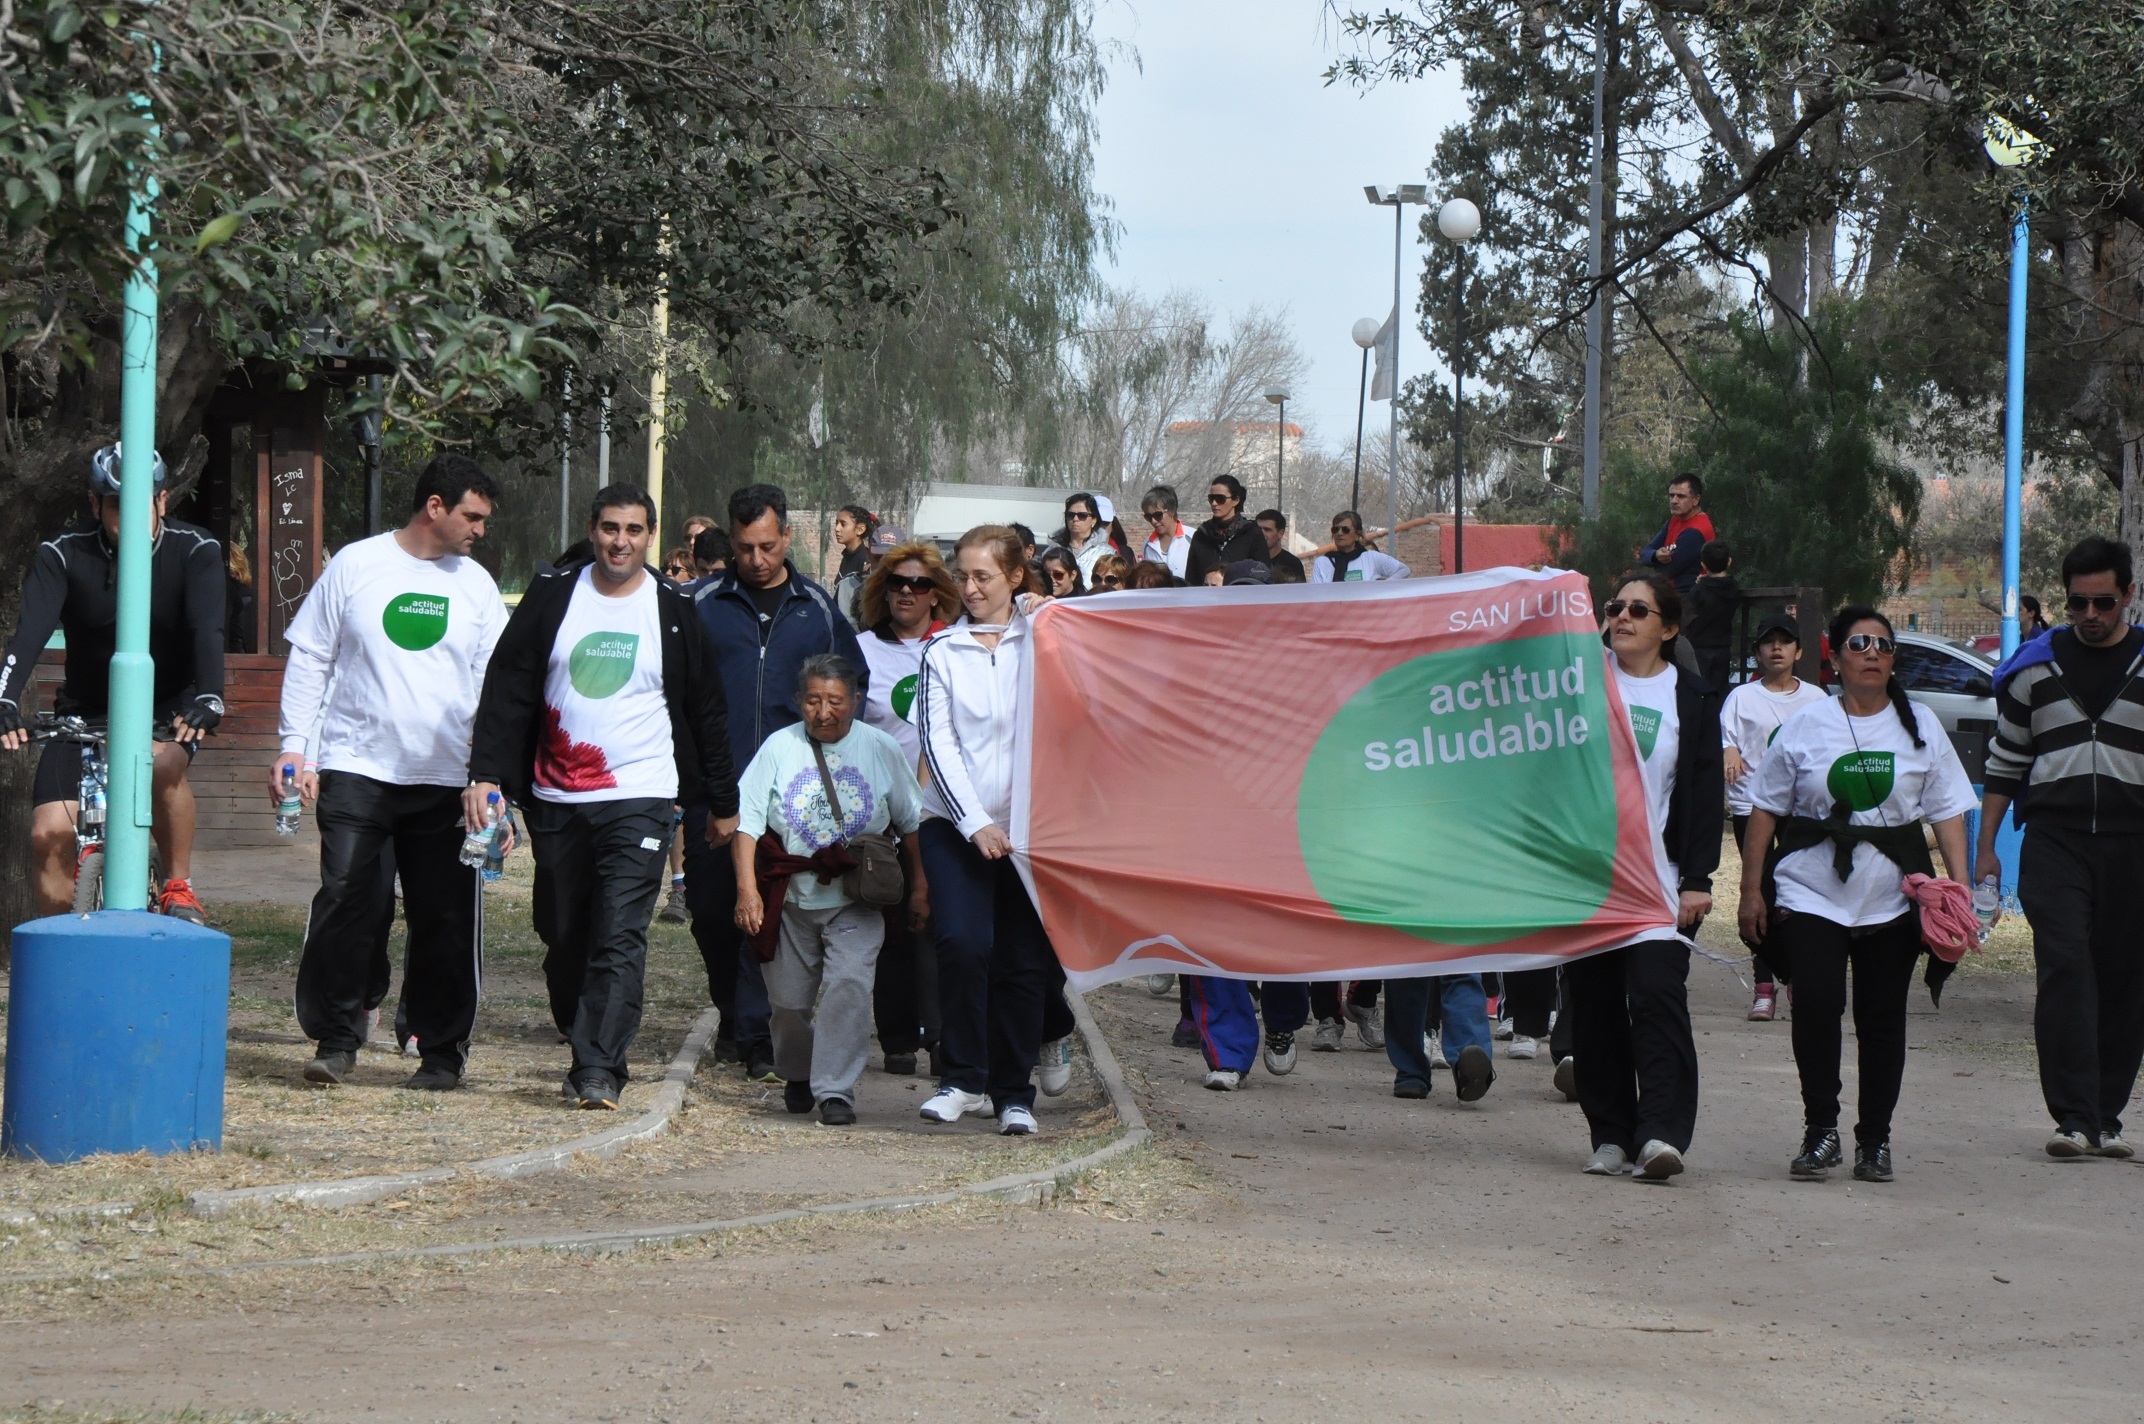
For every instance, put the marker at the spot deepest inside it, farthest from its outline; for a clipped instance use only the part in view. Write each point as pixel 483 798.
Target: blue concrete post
pixel 115 1036
pixel 2014 422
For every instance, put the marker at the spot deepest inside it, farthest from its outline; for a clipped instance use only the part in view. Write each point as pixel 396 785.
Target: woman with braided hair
pixel 1849 785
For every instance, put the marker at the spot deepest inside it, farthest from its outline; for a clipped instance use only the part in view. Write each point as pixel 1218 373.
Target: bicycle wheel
pixel 89 883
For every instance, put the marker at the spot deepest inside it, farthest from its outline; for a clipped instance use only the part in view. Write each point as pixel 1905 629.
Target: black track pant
pixel 600 868
pixel 1817 952
pixel 2084 895
pixel 1637 1061
pixel 1531 994
pixel 367 829
pixel 1325 997
pixel 904 996
pixel 1759 971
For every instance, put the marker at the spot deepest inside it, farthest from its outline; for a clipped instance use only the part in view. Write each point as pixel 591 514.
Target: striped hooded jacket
pixel 2060 767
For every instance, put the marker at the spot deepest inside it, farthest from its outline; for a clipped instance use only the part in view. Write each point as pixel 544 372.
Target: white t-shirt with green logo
pixel 1749 720
pixel 606 734
pixel 891 696
pixel 387 657
pixel 1823 758
pixel 1657 727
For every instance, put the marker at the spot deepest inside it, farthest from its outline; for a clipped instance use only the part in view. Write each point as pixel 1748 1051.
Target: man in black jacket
pixel 1710 613
pixel 601 710
pixel 1227 538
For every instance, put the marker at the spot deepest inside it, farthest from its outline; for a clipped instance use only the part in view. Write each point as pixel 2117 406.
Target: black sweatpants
pixel 369 828
pixel 996 970
pixel 1531 995
pixel 600 871
pixel 1325 997
pixel 1817 952
pixel 904 996
pixel 1637 1060
pixel 2084 894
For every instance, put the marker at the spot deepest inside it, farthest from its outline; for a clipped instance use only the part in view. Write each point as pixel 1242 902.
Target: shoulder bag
pixel 877 878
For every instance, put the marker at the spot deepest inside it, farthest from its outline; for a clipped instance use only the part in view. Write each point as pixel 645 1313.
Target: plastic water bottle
pixel 288 805
pixel 495 852
pixel 476 846
pixel 1987 899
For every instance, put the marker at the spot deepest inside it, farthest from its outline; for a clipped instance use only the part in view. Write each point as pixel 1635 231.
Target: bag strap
pixel 833 801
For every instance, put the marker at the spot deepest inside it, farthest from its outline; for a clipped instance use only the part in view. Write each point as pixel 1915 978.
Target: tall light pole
pixel 1459 220
pixel 1397 200
pixel 2012 148
pixel 1596 265
pixel 1279 396
pixel 1365 335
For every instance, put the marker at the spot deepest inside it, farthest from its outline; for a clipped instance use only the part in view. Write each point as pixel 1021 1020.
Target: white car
pixel 1957 682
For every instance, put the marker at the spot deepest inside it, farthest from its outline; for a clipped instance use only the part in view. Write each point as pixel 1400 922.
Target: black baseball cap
pixel 1777 623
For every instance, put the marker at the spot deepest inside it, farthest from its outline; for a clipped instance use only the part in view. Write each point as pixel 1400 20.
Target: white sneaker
pixel 1657 1161
pixel 2069 1144
pixel 1567 1078
pixel 1369 1024
pixel 1521 1047
pixel 2111 1145
pixel 1607 1160
pixel 951 1105
pixel 1433 1045
pixel 1017 1122
pixel 1280 1053
pixel 1330 1035
pixel 1161 985
pixel 1502 1029
pixel 1053 1069
pixel 1223 1080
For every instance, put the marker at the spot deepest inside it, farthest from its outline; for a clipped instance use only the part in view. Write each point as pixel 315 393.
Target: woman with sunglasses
pixel 1111 573
pixel 1226 538
pixel 1849 786
pixel 907 596
pixel 677 566
pixel 1091 532
pixel 996 968
pixel 1635 1057
pixel 1061 573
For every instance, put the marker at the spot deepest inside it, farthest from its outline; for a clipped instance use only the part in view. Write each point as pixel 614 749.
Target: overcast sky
pixel 1237 174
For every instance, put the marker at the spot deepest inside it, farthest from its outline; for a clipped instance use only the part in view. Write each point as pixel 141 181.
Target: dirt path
pixel 1311 1246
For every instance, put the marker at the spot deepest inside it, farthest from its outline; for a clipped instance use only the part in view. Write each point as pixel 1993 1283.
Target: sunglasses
pixel 2098 602
pixel 1870 642
pixel 1617 607
pixel 909 583
pixel 1079 514
pixel 1220 499
pixel 1156 516
pixel 1110 581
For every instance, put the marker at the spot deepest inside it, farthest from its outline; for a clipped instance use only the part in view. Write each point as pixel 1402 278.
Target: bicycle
pixel 89 819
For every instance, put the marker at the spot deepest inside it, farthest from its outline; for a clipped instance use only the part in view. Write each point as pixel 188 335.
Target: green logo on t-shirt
pixel 1645 726
pixel 904 696
pixel 1863 780
pixel 1352 576
pixel 415 621
pixel 601 663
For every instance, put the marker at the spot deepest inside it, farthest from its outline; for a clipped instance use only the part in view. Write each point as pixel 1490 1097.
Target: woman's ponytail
pixel 1905 710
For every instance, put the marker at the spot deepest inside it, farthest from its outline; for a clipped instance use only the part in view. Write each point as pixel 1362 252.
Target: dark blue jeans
pixel 734 985
pixel 1464 1019
pixel 995 969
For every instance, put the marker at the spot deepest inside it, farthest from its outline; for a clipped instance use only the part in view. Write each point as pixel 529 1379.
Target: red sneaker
pixel 180 902
pixel 1761 1007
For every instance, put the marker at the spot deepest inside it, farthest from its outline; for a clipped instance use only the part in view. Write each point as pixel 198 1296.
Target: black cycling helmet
pixel 104 471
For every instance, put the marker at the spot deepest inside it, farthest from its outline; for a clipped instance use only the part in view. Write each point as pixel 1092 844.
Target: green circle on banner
pixel 1428 807
pixel 904 696
pixel 1863 780
pixel 415 621
pixel 601 663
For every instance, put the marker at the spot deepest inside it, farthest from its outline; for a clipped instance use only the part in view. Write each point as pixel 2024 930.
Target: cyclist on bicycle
pixel 73 586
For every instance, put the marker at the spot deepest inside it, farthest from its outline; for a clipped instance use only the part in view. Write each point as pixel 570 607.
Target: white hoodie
pixel 968 704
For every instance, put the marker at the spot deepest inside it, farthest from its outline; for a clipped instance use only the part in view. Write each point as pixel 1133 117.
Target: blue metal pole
pixel 2014 421
pixel 126 852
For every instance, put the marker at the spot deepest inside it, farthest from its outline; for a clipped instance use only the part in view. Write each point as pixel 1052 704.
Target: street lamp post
pixel 1279 396
pixel 1397 200
pixel 1365 335
pixel 1459 220
pixel 2012 148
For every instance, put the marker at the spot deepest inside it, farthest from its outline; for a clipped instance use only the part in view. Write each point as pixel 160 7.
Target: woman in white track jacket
pixel 995 966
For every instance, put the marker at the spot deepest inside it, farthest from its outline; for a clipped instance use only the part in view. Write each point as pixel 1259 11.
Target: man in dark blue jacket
pixel 763 618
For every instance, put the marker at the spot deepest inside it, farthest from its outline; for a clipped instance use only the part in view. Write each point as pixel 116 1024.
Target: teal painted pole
pixel 2014 422
pixel 126 850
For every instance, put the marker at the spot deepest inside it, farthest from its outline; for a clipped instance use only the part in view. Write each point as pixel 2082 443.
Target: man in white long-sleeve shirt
pixel 387 657
pixel 1352 561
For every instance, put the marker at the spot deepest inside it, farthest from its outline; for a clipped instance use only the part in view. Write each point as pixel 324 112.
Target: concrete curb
pixel 1036 1186
pixel 356 1191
